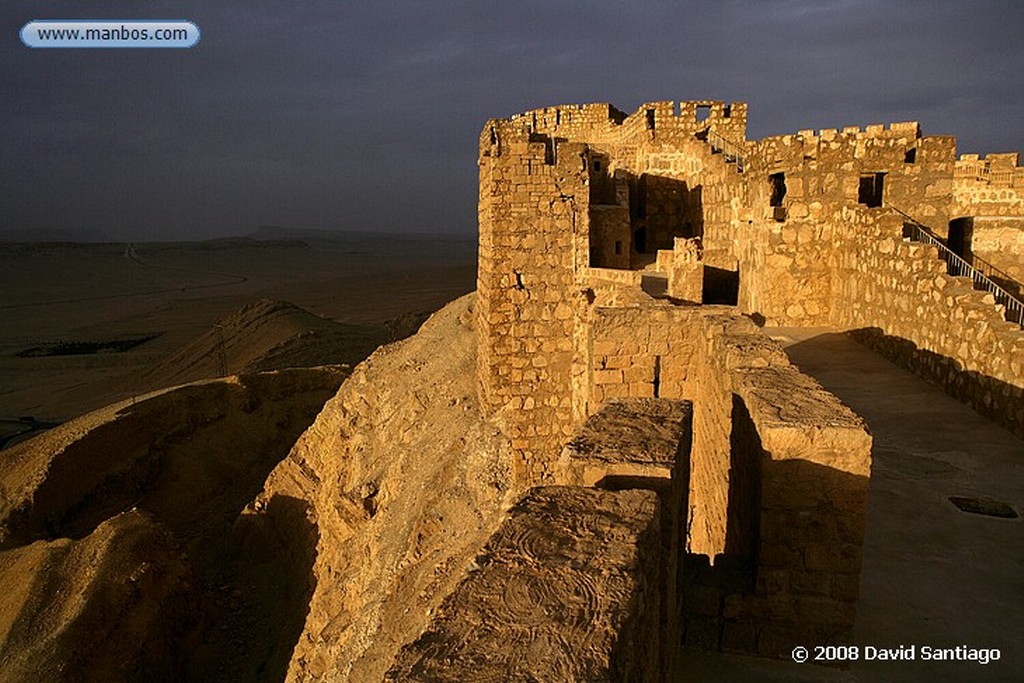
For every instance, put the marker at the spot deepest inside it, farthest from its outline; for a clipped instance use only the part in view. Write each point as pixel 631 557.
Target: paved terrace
pixel 932 575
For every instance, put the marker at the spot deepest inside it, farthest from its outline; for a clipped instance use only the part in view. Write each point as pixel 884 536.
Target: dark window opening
pixel 778 184
pixel 721 286
pixel 960 233
pixel 640 240
pixel 597 167
pixel 618 247
pixel 870 191
pixel 558 117
pixel 727 111
pixel 650 119
pixel 703 113
pixel 911 156
pixel 657 377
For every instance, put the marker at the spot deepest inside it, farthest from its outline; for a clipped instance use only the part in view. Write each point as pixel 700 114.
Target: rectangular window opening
pixel 869 193
pixel 911 156
pixel 778 184
pixel 618 247
pixel 650 119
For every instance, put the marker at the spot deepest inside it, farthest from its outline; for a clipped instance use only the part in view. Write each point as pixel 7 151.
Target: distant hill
pixel 419 247
pixel 266 334
pixel 52 235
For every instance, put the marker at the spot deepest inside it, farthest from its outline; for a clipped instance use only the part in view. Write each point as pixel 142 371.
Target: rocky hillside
pixel 260 527
pixel 264 335
pixel 401 483
pixel 117 554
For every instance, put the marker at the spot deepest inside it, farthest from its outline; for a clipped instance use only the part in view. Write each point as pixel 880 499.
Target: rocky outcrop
pixel 117 553
pixel 566 590
pixel 403 483
pixel 113 606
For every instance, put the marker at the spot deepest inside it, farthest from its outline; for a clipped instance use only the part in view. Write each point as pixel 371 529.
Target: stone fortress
pixel 626 264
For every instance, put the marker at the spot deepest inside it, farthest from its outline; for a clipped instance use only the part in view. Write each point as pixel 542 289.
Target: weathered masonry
pixel 634 256
pixel 580 203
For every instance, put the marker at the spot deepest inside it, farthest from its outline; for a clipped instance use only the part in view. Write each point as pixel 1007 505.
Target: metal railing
pixel 981 272
pixel 729 149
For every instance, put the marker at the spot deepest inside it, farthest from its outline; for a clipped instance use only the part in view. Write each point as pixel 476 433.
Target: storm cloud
pixel 365 115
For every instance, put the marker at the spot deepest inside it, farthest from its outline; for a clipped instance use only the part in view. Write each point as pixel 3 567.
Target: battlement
pixel 617 254
pixel 573 190
pixel 997 170
pixel 901 129
pixel 604 123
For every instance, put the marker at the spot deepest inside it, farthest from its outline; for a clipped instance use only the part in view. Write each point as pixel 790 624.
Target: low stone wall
pixel 641 443
pixel 815 459
pixel 776 482
pixel 565 590
pixel 1000 241
pixel 640 351
pixel 898 300
pixel 777 511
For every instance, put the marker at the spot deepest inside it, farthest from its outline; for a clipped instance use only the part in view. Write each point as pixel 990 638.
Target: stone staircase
pixel 977 273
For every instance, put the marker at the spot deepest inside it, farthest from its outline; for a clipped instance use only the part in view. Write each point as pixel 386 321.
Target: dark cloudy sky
pixel 364 115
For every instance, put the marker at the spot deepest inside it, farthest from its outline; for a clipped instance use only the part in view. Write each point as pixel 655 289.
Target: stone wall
pixel 611 238
pixel 776 481
pixel 777 509
pixel 786 276
pixel 531 209
pixel 568 589
pixel 988 200
pixel 641 443
pixel 769 566
pixel 639 351
pixel 999 240
pixel 899 300
pixel 993 186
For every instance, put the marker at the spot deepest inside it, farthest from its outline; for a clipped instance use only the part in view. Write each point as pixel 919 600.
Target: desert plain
pixel 83 325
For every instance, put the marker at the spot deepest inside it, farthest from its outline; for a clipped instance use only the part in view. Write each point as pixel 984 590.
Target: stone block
pixel 842 557
pixel 811 583
pixel 608 377
pixel 540 571
pixel 739 637
pixel 703 633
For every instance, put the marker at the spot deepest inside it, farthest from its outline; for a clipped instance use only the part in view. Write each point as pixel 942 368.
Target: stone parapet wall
pixel 776 481
pixel 993 186
pixel 898 299
pixel 726 342
pixel 641 443
pixel 826 168
pixel 776 529
pixel 568 589
pixel 602 122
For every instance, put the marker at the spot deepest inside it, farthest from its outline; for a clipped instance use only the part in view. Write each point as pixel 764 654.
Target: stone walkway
pixel 932 575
